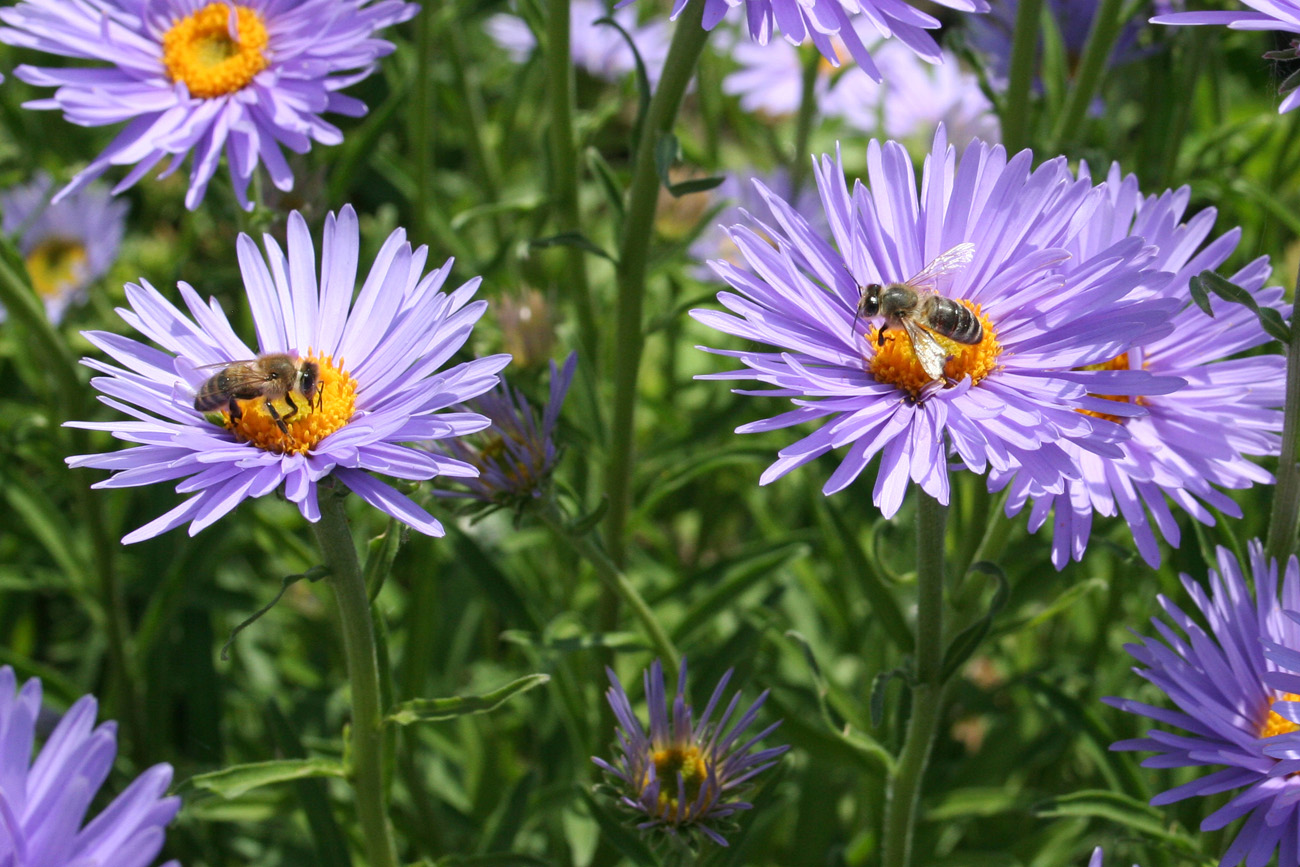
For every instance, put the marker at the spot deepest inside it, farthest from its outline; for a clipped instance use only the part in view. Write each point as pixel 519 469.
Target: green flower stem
pixel 1024 59
pixel 1285 519
pixel 564 164
pixel 613 579
pixel 1101 41
pixel 807 114
pixel 367 770
pixel 423 133
pixel 633 253
pixel 927 695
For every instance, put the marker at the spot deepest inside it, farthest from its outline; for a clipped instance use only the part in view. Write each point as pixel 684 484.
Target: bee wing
pixel 244 361
pixel 928 351
pixel 244 375
pixel 949 262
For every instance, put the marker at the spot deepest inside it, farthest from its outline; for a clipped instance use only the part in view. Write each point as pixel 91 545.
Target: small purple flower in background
pixel 1283 15
pixel 516 454
pixel 686 774
pixel 1096 859
pixel 918 97
pixel 66 246
pixel 1194 438
pixel 597 48
pixel 1004 401
pixel 195 78
pixel 1221 685
pixel 769 80
pixel 44 802
pixel 857 23
pixel 364 379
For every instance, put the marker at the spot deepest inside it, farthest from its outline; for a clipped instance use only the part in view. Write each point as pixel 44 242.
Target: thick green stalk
pixel 1101 41
pixel 1024 59
pixel 367 769
pixel 1285 518
pixel 564 166
pixel 613 579
pixel 633 254
pixel 927 695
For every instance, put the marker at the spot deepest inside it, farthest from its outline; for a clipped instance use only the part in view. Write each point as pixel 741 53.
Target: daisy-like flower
pixel 334 387
pixel 769 81
pixel 857 23
pixel 597 48
pixel 516 454
pixel 1197 437
pixel 1221 684
pixel 44 802
pixel 1005 400
pixel 68 245
pixel 247 77
pixel 685 775
pixel 1282 15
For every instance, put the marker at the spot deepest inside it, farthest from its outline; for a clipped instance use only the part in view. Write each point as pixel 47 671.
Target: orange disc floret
pixel 1119 362
pixel 1275 723
pixel 895 362
pixel 201 50
pixel 56 264
pixel 689 762
pixel 307 422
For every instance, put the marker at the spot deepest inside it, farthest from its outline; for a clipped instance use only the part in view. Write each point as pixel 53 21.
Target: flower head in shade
pixel 354 378
pixel 1008 393
pixel 856 23
pixel 686 774
pixel 195 78
pixel 1220 683
pixel 597 48
pixel 1197 437
pixel 68 245
pixel 516 454
pixel 1283 15
pixel 44 802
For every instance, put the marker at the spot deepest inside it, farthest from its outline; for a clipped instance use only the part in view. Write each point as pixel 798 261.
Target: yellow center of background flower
pixel 1275 723
pixel 56 265
pixel 1119 362
pixel 689 762
pixel 200 50
pixel 896 361
pixel 310 423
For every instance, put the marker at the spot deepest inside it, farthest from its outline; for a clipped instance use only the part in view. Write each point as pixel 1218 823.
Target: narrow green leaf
pixel 492 859
pixel 438 709
pixel 878 686
pixel 1199 295
pixel 1269 318
pixel 572 239
pixel 969 639
pixel 237 780
pixel 695 185
pixel 1121 809
pixel 608 640
pixel 666 153
pixel 523 205
pixel 883 604
pixel 608 182
pixel 642 77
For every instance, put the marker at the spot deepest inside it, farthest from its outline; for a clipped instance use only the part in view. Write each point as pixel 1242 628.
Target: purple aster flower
pixel 516 454
pixel 857 23
pixel 769 80
pixel 188 76
pixel 1096 859
pixel 1283 15
pixel 66 246
pixel 1197 437
pixel 44 802
pixel 1220 682
pixel 685 775
pixel 597 48
pixel 333 388
pixel 1007 399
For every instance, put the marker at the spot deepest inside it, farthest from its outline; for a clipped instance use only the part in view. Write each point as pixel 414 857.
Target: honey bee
pixel 918 307
pixel 271 377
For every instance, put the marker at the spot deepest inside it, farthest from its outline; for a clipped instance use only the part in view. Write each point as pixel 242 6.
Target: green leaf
pixel 572 239
pixel 642 77
pixel 666 153
pixel 524 205
pixel 608 182
pixel 883 603
pixel 878 686
pixel 1061 604
pixel 330 844
pixel 621 835
pixel 1270 319
pixel 1121 809
pixel 695 185
pixel 609 640
pixel 1199 295
pixel 969 639
pixel 438 709
pixel 239 779
pixel 492 859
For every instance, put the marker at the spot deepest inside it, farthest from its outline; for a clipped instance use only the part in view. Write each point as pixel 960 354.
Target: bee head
pixel 869 302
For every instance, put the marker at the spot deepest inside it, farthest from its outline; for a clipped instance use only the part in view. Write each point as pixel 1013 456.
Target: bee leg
pixel 235 411
pixel 279 422
pixel 880 337
pixel 293 409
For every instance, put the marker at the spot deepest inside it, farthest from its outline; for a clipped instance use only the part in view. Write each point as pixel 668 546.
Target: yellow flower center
pixel 519 472
pixel 306 422
pixel 895 362
pixel 1119 362
pixel 1275 723
pixel 56 265
pixel 202 51
pixel 689 762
